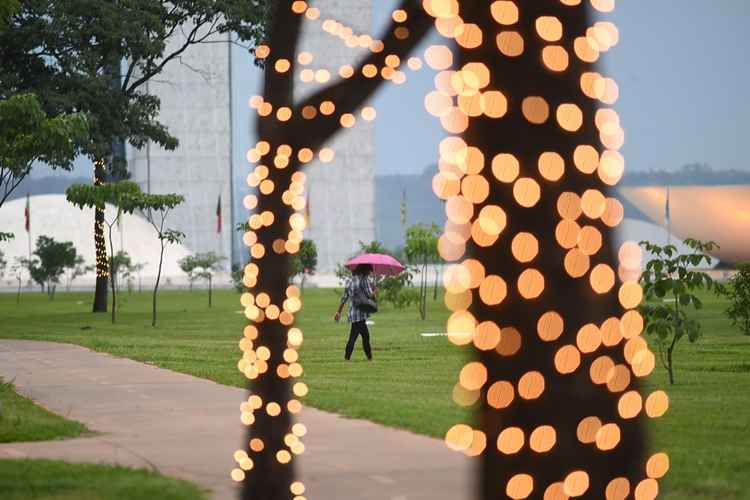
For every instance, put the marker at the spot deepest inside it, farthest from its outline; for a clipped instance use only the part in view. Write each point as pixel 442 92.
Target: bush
pixel 738 292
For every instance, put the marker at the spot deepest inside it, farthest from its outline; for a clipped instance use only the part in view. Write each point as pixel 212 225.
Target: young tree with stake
pixel 157 207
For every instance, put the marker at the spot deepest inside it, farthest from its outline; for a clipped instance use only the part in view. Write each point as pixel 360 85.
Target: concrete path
pixel 188 427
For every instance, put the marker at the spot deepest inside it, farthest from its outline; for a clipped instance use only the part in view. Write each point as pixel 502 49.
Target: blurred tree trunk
pixel 566 399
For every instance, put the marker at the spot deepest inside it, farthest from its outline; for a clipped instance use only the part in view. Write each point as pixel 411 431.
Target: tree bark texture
pixel 566 398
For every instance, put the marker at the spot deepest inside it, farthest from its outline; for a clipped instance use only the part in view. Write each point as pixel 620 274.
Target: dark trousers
pixel 358 328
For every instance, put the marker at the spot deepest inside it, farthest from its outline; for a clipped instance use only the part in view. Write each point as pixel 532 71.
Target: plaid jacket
pixel 355 313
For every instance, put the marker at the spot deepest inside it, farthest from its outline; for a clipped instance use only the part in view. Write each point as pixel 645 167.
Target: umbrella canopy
pixel 381 263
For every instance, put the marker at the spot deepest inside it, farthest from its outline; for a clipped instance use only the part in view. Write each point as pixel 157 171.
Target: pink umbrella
pixel 381 264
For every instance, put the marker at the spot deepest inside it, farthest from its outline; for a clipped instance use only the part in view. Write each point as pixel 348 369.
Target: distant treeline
pixel 53 184
pixel 694 174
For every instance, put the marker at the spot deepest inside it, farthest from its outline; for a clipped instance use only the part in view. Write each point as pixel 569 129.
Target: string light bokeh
pixel 610 351
pixel 462 94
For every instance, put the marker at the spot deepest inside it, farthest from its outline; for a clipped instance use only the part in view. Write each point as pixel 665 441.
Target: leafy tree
pixel 7 9
pixel 122 266
pixel 137 268
pixel 669 282
pixel 238 276
pixel 98 57
pixel 202 265
pixel 189 266
pixel 421 249
pixel 6 236
pixel 738 292
pixel 28 135
pixel 304 261
pixel 157 208
pixel 51 260
pixel 79 268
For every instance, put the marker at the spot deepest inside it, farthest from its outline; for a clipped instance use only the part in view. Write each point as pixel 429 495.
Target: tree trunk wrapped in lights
pixel 102 261
pixel 525 177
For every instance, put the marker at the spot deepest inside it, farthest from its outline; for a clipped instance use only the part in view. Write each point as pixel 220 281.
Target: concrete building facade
pixel 195 107
pixel 204 103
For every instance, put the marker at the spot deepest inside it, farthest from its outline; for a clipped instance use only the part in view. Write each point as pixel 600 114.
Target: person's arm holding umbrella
pixel 344 299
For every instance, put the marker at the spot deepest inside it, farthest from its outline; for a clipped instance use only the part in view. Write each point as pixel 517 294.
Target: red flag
pixel 27 213
pixel 218 216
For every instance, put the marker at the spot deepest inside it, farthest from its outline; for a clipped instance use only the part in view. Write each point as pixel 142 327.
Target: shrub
pixel 738 292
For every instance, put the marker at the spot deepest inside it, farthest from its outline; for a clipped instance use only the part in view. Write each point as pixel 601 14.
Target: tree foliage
pixel 422 249
pixel 738 292
pixel 669 283
pixel 28 135
pixel 202 265
pixel 97 57
pixel 304 262
pixel 51 259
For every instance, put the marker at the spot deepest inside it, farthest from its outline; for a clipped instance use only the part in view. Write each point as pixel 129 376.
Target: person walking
pixel 361 291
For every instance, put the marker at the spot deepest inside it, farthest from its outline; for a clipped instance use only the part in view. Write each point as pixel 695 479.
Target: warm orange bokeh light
pixel 530 284
pixel 535 109
pixel 551 166
pixel 520 486
pixel 510 440
pixel 525 247
pixel 531 385
pixel 550 326
pixel 510 43
pixel 505 167
pixel 543 439
pixel 549 28
pixel 500 394
pixel 504 12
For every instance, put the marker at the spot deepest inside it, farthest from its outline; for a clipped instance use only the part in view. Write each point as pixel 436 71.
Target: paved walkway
pixel 188 427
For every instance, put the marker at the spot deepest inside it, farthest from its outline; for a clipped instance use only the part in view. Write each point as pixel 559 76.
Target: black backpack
pixel 362 300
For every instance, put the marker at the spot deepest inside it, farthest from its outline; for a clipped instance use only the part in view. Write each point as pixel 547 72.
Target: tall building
pixel 195 107
pixel 204 102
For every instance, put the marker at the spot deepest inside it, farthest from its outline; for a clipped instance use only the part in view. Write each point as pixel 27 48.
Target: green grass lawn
pixel 22 420
pixel 53 480
pixel 706 432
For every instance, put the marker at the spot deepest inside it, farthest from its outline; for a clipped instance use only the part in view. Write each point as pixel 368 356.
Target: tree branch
pixel 351 93
pixel 159 67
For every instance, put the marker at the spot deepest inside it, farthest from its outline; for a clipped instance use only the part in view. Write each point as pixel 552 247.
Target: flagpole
pixel 669 219
pixel 27 212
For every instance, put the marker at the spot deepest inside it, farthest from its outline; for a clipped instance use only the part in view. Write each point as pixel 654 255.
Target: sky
pixel 681 66
pixel 683 71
